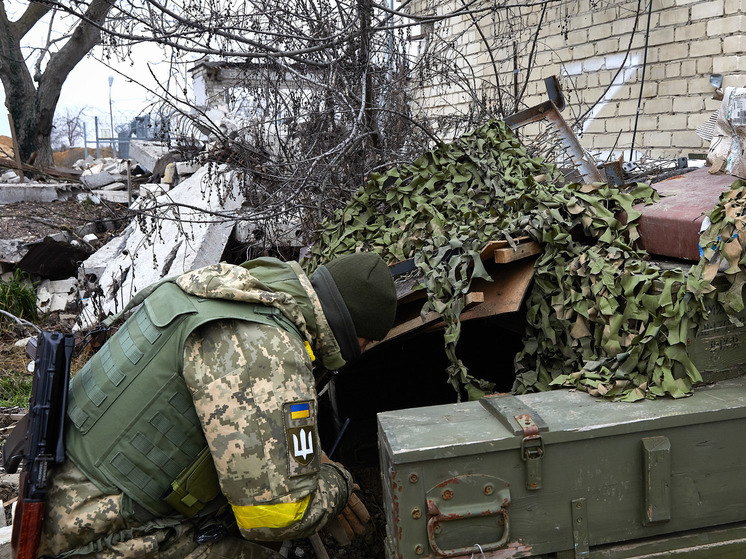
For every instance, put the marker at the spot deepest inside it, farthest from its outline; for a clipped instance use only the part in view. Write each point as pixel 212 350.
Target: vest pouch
pixel 195 486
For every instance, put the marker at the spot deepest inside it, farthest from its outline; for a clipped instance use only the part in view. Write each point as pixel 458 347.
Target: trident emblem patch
pixel 302 449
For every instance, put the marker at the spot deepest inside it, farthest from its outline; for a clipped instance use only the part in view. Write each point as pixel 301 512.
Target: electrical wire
pixel 642 79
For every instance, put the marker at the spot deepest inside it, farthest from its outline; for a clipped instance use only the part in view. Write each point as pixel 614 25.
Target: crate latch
pixel 532 451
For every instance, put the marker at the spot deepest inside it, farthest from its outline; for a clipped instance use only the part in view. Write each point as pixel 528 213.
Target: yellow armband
pixel 270 516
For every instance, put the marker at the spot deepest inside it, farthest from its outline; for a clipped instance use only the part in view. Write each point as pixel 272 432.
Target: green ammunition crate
pixel 563 475
pixel 719 348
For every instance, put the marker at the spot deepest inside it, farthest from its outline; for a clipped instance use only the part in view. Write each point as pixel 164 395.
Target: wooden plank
pixel 523 250
pixel 16 150
pixel 488 252
pixel 412 324
pixel 405 292
pixel 68 174
pixel 504 294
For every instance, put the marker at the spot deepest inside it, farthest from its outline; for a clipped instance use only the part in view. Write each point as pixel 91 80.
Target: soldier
pixel 196 422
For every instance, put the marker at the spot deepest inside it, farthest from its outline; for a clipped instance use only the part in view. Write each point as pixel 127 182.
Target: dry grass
pixel 12 359
pixel 15 379
pixel 6 146
pixel 66 159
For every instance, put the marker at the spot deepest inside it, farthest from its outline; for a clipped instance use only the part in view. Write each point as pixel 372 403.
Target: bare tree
pixel 68 127
pixel 320 95
pixel 32 87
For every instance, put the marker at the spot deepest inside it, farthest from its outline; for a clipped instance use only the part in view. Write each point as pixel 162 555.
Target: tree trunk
pixel 19 87
pixel 32 106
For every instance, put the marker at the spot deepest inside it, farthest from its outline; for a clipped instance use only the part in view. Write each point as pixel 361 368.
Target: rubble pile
pixel 175 216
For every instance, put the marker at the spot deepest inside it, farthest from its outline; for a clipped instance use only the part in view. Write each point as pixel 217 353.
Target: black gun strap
pixel 15 445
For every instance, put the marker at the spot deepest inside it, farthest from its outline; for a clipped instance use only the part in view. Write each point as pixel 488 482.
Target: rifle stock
pixel 27 524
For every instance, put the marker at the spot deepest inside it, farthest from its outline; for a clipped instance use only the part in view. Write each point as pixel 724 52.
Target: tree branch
pixel 34 12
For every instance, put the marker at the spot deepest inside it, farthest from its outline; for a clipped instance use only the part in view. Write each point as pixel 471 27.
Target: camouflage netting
pixel 600 316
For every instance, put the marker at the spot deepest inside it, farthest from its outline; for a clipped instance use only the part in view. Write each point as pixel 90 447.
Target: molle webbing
pixel 150 431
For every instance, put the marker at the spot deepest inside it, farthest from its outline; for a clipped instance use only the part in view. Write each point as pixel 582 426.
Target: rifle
pixel 44 444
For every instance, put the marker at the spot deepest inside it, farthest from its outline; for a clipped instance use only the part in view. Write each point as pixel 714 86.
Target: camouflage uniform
pixel 253 390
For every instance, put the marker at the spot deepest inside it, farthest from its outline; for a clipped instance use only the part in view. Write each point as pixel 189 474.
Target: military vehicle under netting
pixel 562 474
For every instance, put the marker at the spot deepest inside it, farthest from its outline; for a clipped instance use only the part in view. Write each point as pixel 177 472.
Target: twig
pixel 20 321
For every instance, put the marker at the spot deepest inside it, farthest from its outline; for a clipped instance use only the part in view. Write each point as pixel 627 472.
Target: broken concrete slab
pixel 95 168
pixel 186 168
pixel 29 193
pixel 6 533
pixel 87 197
pixel 12 250
pixel 83 163
pixel 147 154
pixel 98 180
pixel 57 296
pixel 94 266
pixel 154 189
pixel 91 239
pixel 117 196
pixel 182 238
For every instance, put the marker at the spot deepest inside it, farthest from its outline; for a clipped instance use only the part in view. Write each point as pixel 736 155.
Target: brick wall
pixel 584 43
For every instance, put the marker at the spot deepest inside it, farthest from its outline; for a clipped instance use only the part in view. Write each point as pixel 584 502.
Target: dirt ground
pixel 30 221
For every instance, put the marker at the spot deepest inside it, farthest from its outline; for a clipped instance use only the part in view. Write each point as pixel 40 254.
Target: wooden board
pixel 508 254
pixel 67 174
pixel 504 294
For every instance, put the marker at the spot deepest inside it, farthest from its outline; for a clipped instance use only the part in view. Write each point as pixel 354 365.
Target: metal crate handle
pixel 436 519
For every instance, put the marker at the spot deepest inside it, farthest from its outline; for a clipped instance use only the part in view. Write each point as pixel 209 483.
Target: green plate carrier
pixel 132 424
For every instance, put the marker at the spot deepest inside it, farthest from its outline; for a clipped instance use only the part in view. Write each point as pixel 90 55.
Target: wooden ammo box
pixel 561 474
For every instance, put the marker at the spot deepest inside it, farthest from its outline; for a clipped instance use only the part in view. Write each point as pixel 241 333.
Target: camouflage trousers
pixel 84 523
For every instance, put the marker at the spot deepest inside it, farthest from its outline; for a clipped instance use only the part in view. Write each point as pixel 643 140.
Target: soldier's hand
pixel 351 521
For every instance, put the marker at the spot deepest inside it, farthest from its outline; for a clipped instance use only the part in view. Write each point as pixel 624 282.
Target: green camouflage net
pixel 724 247
pixel 601 318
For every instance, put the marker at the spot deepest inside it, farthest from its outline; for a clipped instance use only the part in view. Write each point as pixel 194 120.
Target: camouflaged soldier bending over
pixel 196 422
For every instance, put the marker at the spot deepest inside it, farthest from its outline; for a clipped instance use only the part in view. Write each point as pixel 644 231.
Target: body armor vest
pixel 132 424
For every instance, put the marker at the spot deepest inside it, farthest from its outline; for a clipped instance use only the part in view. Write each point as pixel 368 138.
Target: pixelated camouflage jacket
pixel 253 391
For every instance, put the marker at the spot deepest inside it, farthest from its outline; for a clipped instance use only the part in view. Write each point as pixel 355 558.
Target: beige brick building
pixel 597 49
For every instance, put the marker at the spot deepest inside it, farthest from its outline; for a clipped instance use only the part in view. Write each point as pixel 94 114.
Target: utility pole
pixel 111 118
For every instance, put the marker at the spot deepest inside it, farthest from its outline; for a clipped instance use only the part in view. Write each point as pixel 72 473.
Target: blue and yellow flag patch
pixel 300 411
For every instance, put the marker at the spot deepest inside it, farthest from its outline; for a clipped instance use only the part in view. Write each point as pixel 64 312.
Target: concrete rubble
pixel 135 257
pixel 57 296
pixel 143 256
pixel 147 153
